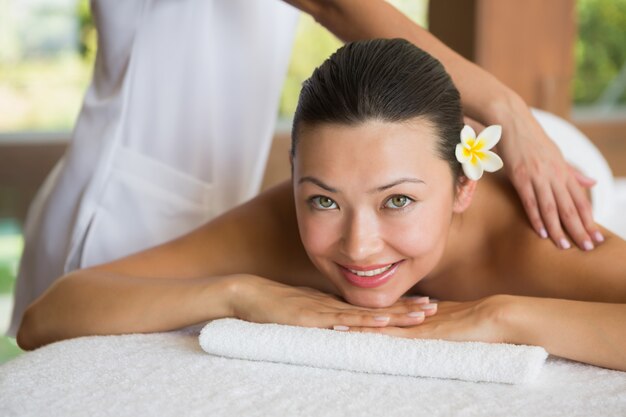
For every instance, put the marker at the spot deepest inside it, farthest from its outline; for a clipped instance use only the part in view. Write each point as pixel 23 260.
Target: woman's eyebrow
pixel 375 190
pixel 318 183
pixel 396 182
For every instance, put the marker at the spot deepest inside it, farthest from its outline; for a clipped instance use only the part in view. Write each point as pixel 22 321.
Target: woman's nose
pixel 361 239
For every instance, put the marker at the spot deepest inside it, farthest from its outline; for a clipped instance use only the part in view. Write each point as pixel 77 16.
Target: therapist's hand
pixel 551 191
pixel 261 300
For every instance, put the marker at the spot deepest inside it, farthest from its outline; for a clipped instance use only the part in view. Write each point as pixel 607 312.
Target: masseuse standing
pixel 177 123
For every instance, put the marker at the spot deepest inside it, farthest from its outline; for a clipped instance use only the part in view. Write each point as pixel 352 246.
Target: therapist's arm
pixel 549 191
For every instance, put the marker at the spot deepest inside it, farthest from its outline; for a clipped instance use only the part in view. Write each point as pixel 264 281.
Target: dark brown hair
pixel 382 79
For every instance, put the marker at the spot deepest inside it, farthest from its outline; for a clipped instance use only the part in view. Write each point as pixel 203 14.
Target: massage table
pixel 168 374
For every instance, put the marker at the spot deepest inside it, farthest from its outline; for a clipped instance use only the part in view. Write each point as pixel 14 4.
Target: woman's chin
pixel 370 299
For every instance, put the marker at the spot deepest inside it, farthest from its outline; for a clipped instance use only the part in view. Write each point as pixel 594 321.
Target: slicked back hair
pixel 389 80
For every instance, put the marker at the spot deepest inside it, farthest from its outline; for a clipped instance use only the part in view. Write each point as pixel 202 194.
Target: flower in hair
pixel 474 152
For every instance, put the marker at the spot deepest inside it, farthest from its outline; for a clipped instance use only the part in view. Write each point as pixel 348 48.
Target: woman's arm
pixel 248 263
pixel 178 283
pixel 550 193
pixel 589 332
pixel 92 302
pixel 88 302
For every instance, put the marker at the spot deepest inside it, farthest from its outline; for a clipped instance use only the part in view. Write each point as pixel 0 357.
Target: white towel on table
pixel 372 353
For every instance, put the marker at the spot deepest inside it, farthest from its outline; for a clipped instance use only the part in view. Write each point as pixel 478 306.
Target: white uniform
pixel 175 129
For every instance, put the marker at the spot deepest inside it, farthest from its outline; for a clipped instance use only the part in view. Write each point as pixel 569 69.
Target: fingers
pixel 550 215
pixel 412 314
pixel 389 330
pixel 349 321
pixel 583 207
pixel 569 208
pixel 551 208
pixel 570 218
pixel 529 201
pixel 552 192
pixel 582 179
pixel 427 304
pixel 400 306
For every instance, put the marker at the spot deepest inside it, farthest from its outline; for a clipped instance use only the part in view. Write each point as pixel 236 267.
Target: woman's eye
pixel 323 203
pixel 398 202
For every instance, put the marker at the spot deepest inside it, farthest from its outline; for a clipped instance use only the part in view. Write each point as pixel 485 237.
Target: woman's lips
pixel 369 281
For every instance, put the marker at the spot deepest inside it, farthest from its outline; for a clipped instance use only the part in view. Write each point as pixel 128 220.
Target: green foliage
pixel 11 245
pixel 8 349
pixel 42 93
pixel 7 279
pixel 87 31
pixel 600 47
pixel 313 44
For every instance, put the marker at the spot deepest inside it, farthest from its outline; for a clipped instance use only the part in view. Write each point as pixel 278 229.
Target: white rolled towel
pixel 372 353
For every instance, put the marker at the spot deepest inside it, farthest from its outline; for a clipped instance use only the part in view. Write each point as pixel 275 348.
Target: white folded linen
pixel 372 353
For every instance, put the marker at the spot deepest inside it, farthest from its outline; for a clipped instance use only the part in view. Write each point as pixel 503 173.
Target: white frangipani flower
pixel 474 153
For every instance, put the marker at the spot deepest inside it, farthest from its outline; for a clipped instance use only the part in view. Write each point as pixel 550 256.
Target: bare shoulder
pixel 538 268
pixel 258 237
pixel 522 263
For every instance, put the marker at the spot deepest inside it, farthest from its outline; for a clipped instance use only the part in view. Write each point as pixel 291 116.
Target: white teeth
pixel 372 272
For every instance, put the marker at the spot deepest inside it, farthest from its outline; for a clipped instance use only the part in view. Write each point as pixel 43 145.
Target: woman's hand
pixel 552 192
pixel 261 300
pixel 483 320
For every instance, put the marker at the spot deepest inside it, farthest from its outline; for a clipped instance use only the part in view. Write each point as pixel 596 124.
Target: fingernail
pixel 434 300
pixel 565 244
pixel 543 233
pixel 599 237
pixel 416 314
pixel 428 306
pixel 588 245
pixel 421 300
pixel 381 318
pixel 341 328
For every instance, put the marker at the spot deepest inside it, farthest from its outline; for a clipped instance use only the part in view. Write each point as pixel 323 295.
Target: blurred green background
pixel 47 48
pixel 600 77
pixel 10 249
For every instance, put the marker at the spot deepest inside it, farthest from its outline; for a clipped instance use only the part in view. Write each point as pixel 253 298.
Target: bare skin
pixel 509 259
pixel 274 251
pixel 545 184
pixel 499 282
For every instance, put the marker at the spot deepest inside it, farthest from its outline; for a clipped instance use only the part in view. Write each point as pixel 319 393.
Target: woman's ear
pixel 464 192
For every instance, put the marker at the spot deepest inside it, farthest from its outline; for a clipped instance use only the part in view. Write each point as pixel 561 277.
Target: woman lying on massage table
pixel 387 205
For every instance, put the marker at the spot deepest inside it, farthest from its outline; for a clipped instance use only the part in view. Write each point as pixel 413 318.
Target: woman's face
pixel 374 205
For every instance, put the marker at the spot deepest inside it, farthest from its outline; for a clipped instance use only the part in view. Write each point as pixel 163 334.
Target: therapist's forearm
pixel 88 302
pixel 484 98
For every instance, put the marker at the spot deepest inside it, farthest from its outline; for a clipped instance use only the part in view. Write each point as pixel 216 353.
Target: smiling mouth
pixel 370 272
pixel 369 277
